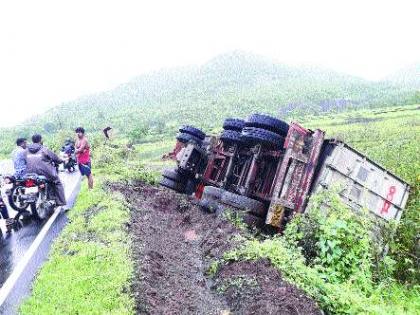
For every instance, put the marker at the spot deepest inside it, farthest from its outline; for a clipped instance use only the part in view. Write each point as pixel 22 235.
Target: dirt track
pixel 173 244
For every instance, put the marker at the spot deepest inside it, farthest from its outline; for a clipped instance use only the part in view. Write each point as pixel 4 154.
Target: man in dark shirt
pixel 40 160
pixel 19 157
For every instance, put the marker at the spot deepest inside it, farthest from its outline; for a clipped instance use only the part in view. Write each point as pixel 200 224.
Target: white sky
pixel 54 51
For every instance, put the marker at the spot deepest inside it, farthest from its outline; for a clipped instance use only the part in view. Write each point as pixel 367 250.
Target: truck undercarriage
pixel 267 169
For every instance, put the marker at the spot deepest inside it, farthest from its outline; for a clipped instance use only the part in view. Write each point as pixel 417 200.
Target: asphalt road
pixel 14 246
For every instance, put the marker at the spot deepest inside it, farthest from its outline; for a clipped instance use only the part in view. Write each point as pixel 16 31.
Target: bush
pixel 334 238
pixel 122 163
pixel 405 247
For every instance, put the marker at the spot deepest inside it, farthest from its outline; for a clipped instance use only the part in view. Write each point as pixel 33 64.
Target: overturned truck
pixel 266 169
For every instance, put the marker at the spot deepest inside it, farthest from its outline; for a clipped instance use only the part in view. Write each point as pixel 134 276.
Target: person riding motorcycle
pixel 68 155
pixel 19 157
pixel 42 161
pixel 19 164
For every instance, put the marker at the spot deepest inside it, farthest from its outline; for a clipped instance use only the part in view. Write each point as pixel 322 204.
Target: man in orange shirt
pixel 83 155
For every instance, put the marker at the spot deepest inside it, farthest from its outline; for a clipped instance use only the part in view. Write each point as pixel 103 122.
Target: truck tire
pixel 243 203
pixel 231 136
pixel 169 183
pixel 253 135
pixel 212 193
pixel 192 131
pixel 268 123
pixel 173 175
pixel 234 124
pixel 186 137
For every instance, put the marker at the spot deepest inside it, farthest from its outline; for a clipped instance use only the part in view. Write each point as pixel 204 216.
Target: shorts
pixel 85 169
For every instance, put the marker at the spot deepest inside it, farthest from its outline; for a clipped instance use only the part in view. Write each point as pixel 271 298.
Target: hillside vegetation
pixel 153 105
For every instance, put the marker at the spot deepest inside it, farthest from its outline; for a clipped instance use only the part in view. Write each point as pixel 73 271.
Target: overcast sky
pixel 54 51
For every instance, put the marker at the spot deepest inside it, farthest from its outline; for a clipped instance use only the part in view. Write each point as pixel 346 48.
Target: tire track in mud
pixel 174 243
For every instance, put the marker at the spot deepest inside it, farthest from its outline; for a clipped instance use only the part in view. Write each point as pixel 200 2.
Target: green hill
pixel 234 84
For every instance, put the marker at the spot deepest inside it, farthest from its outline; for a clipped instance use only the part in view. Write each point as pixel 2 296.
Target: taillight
pixel 30 183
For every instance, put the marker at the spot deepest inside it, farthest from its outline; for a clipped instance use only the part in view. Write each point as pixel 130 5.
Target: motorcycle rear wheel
pixel 14 203
pixel 43 208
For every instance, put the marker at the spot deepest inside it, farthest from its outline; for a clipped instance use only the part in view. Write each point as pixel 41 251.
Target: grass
pixel 89 268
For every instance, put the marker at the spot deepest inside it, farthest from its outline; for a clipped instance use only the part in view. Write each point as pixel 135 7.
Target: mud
pixel 257 288
pixel 174 243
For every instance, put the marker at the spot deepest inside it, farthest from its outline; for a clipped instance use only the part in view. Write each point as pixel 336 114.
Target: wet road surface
pixel 14 246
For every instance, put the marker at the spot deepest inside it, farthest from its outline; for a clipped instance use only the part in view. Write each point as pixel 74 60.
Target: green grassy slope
pixel 89 267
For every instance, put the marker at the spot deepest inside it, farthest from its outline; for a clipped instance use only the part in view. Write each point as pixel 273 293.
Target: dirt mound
pixel 174 243
pixel 257 288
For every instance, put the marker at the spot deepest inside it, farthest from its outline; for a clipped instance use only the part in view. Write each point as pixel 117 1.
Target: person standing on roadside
pixel 19 157
pixel 83 155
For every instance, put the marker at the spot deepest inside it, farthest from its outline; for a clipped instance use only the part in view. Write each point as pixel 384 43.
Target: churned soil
pixel 257 288
pixel 174 243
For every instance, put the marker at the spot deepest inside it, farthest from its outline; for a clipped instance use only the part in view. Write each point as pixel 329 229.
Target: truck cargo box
pixel 362 182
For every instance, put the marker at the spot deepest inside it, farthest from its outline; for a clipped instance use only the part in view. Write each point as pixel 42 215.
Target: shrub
pixel 334 238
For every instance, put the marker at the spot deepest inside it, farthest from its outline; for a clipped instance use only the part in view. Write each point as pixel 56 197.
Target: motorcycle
pixel 67 154
pixel 32 191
